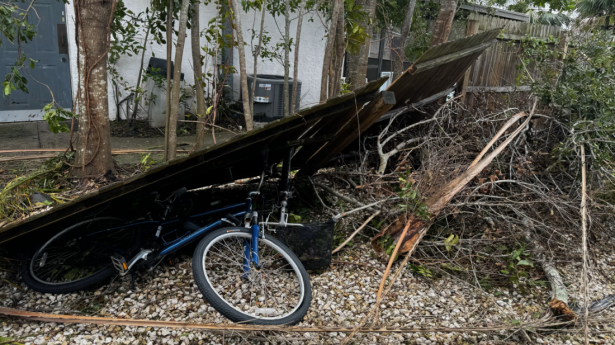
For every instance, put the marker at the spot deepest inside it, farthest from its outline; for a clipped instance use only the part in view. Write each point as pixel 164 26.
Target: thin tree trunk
pixel 326 63
pixel 584 245
pixel 286 56
pixel 245 94
pixel 93 156
pixel 169 52
pixel 356 65
pixel 171 145
pixel 398 59
pixel 257 53
pixel 138 98
pixel 338 61
pixel 195 37
pixel 293 102
pixel 442 26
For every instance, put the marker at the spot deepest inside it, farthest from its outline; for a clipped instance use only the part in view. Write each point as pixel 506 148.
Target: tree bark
pixel 169 52
pixel 286 56
pixel 356 66
pixel 257 53
pixel 138 98
pixel 293 102
pixel 93 156
pixel 399 55
pixel 442 25
pixel 326 64
pixel 335 76
pixel 171 145
pixel 245 94
pixel 195 37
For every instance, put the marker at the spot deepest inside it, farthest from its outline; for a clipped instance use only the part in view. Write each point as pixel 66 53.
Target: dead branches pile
pixel 492 203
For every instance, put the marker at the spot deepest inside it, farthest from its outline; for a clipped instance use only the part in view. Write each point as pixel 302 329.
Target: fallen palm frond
pixel 14 198
pixel 543 324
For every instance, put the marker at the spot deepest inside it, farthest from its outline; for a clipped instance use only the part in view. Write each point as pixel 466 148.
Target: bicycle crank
pixel 122 266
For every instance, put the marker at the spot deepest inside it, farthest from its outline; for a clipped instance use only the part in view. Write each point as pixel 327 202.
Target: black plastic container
pixel 312 243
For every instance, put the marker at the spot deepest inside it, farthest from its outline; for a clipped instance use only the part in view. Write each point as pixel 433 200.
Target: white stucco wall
pixel 310 61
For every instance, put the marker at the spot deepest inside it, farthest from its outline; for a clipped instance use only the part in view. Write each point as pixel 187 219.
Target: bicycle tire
pixel 37 284
pixel 232 312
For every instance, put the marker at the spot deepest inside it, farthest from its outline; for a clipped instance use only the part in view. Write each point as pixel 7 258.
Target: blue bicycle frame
pixel 250 248
pixel 172 246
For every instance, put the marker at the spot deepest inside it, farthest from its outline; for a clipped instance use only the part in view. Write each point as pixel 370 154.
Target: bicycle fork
pixel 250 250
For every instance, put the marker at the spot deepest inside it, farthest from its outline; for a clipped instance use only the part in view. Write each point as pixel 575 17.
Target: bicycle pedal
pixel 170 261
pixel 119 262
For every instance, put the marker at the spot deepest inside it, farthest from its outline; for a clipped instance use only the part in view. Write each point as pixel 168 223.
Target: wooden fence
pixel 496 69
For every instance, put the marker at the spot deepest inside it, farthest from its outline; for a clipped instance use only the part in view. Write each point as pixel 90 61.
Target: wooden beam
pixel 365 118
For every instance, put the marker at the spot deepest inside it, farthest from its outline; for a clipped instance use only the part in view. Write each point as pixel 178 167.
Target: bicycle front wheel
pixel 78 257
pixel 277 293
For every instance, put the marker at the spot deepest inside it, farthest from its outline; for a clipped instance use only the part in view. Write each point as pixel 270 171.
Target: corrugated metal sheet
pixel 321 131
pixel 235 159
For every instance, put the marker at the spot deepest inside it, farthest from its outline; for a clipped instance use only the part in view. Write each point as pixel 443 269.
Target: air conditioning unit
pixel 269 96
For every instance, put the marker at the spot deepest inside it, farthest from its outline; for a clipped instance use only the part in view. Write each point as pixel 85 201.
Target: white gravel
pixel 343 295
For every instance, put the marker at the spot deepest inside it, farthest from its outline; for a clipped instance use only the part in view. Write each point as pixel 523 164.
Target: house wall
pixel 310 61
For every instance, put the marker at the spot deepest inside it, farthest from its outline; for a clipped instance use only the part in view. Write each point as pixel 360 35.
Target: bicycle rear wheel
pixel 78 257
pixel 277 293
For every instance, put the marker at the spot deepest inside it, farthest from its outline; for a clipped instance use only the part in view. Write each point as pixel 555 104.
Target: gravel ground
pixel 343 295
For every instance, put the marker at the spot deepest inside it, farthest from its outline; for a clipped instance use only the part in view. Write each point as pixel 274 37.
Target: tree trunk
pixel 93 145
pixel 335 76
pixel 257 53
pixel 356 66
pixel 399 55
pixel 137 99
pixel 286 56
pixel 245 94
pixel 171 145
pixel 293 102
pixel 326 63
pixel 169 51
pixel 195 37
pixel 442 26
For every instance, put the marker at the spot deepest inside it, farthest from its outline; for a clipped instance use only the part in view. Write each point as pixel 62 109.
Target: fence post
pixel 471 29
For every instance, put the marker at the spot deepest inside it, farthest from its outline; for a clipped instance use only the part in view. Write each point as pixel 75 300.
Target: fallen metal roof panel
pixel 223 163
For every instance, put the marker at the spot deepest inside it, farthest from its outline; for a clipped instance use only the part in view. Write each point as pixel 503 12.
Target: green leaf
pixel 525 263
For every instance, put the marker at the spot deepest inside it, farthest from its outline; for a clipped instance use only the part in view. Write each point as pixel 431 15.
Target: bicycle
pixel 244 274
